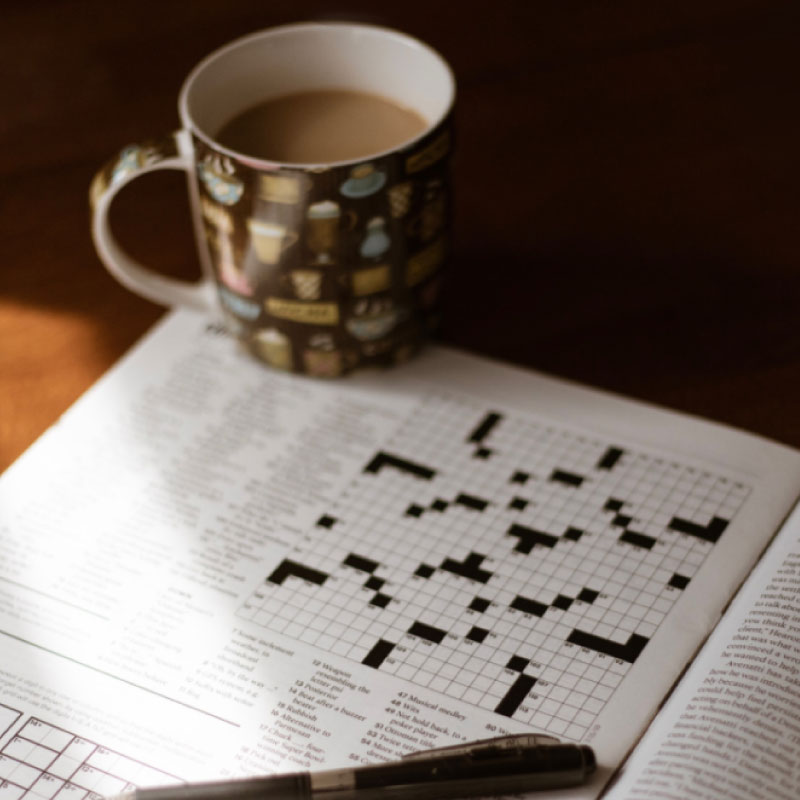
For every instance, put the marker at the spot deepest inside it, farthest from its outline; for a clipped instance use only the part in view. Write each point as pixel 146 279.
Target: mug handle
pixel 172 152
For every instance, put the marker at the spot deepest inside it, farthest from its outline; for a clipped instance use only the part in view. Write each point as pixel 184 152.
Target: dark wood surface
pixel 628 190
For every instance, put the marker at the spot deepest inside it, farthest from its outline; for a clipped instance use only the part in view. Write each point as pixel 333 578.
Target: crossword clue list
pixel 514 565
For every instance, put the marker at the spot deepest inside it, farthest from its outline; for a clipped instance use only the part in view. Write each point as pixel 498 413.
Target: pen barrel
pixel 294 786
pixel 474 775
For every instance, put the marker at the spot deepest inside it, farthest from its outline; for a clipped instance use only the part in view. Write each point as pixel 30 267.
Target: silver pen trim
pixel 494 743
pixel 332 780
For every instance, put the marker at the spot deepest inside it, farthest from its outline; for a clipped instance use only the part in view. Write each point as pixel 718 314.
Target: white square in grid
pixel 541 721
pixel 557 726
pixel 20 749
pixel 567 680
pixel 64 766
pixel 350 635
pixel 472 695
pixel 69 791
pixel 358 653
pixel 342 648
pixel 109 761
pixel 108 785
pixel 549 674
pixel 46 786
pixel 549 706
pixel 6 765
pixel 602 692
pixel 38 731
pixel 575 732
pixel 23 774
pixel 609 680
pixel 646 629
pixel 8 791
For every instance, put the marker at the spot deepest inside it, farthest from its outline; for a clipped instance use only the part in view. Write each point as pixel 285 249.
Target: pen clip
pixel 482 745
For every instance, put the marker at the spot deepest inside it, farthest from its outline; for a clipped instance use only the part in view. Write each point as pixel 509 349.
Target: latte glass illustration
pixel 270 240
pixel 323 230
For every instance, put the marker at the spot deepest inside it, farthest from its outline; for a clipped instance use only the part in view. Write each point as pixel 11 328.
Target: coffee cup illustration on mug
pixel 273 347
pixel 321 357
pixel 217 173
pixel 307 283
pixel 373 320
pixel 284 189
pixel 363 181
pixel 270 239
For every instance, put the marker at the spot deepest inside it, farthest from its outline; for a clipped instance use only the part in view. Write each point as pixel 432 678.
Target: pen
pixel 506 764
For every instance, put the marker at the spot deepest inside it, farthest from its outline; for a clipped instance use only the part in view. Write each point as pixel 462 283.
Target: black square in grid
pixel 414 510
pixel 562 602
pixel 520 477
pixel 573 534
pixel 678 581
pixel 439 505
pixel 588 595
pixel 517 663
pixel 479 604
pixel 326 521
pixel 482 452
pixel 518 504
pixel 424 571
pixel 380 600
pixel 613 505
pixel 477 634
pixel 374 583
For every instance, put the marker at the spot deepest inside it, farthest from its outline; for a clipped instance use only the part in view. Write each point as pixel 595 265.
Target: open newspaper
pixel 209 568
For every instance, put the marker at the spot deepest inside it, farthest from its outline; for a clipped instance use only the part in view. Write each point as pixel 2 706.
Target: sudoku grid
pixel 43 761
pixel 515 565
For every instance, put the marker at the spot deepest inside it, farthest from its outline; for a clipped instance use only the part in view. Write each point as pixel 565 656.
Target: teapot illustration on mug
pixel 377 241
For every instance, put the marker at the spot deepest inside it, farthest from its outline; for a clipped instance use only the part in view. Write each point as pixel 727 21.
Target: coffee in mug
pixel 320 127
pixel 318 162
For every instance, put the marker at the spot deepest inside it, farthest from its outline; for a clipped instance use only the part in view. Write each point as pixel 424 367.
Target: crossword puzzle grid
pixel 513 565
pixel 43 761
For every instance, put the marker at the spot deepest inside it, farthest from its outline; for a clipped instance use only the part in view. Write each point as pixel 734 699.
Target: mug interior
pixel 315 56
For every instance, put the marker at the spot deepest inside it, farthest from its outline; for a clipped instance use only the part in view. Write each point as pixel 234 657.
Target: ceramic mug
pixel 295 255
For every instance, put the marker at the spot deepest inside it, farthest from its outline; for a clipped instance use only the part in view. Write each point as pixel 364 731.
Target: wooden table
pixel 627 179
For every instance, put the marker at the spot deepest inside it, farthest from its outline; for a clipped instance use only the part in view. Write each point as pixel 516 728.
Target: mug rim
pixel 269 164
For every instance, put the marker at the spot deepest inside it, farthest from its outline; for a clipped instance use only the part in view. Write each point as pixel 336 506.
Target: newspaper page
pixel 209 568
pixel 731 731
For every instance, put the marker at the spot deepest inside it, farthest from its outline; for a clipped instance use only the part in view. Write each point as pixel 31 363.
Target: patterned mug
pixel 294 255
